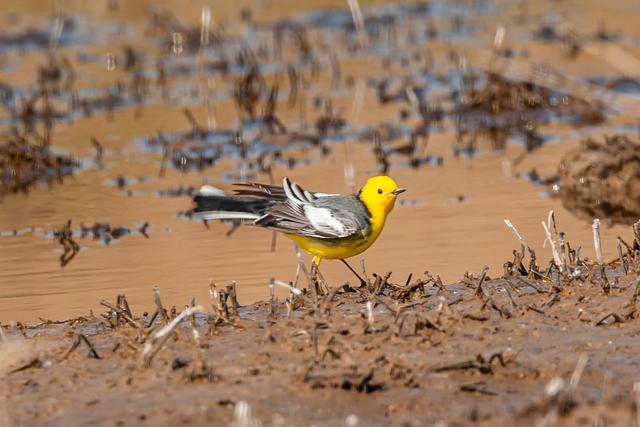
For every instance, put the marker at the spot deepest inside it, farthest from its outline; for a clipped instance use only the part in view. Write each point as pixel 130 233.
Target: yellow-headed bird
pixel 331 226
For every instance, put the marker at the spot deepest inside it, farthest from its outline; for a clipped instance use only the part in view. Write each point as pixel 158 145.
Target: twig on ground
pixel 483 365
pixel 155 343
pixel 77 341
pixel 554 250
pixel 483 275
pixel 120 312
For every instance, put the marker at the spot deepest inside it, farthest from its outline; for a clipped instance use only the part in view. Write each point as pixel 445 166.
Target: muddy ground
pixel 537 346
pixel 113 113
pixel 469 104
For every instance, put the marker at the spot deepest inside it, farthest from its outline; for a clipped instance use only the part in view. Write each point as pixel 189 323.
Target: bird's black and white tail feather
pixel 290 209
pixel 250 202
pixel 212 204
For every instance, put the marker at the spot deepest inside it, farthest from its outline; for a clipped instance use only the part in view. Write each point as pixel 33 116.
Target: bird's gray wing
pixel 273 192
pixel 326 217
pixel 278 193
pixel 263 191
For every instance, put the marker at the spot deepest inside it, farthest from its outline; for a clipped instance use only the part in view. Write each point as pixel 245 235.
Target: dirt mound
pixel 602 180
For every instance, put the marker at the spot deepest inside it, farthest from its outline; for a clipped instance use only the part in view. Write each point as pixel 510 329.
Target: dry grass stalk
pixel 358 22
pixel 244 417
pixel 597 244
pixel 153 345
pixel 554 250
pixel 515 231
pixel 294 291
pixel 370 318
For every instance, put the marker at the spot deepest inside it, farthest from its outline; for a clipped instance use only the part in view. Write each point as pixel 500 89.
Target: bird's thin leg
pixel 313 278
pixel 362 281
pixel 322 284
pixel 314 285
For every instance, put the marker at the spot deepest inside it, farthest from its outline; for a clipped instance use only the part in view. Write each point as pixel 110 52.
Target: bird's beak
pixel 398 191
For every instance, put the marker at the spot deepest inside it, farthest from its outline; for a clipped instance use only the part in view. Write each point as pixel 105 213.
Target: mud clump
pixel 499 108
pixel 602 180
pixel 22 165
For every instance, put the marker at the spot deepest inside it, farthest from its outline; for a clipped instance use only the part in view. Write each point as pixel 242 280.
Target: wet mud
pixel 544 343
pixel 602 179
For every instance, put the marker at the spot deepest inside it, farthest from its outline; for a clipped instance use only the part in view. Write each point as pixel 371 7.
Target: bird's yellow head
pixel 379 194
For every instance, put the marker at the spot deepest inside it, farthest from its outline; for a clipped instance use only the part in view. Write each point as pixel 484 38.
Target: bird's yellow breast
pixel 345 247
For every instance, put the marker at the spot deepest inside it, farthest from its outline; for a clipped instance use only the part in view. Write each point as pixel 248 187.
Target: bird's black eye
pixel 379 190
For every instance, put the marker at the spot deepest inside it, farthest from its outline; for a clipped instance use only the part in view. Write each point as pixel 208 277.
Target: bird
pixel 328 226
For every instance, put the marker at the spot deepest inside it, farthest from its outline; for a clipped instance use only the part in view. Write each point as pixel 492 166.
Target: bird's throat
pixel 377 219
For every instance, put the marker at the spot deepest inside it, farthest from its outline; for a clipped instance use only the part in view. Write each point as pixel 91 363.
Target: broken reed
pixel 566 265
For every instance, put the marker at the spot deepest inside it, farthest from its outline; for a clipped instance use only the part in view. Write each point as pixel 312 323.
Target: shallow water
pixel 451 218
